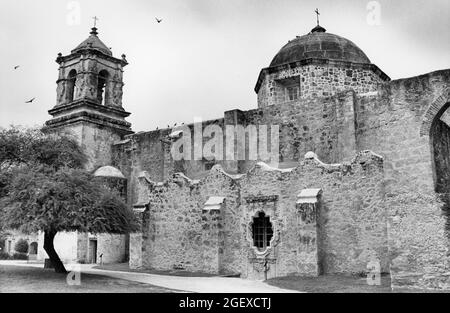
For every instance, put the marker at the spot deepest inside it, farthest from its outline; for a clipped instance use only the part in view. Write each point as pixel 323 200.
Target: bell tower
pixel 89 99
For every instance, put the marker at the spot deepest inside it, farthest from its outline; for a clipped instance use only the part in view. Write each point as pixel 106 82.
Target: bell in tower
pixel 89 97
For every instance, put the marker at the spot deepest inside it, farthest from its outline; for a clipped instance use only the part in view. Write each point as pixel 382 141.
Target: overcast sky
pixel 205 56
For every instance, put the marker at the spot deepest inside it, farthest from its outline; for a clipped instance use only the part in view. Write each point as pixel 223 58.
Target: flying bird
pixel 16 67
pixel 158 20
pixel 29 101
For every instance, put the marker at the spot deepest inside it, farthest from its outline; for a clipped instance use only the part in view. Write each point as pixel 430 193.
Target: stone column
pixel 212 225
pixel 308 207
pixel 137 238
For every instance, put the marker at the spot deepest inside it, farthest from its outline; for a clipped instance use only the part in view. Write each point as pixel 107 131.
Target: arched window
pixel 71 80
pixel 262 231
pixel 102 91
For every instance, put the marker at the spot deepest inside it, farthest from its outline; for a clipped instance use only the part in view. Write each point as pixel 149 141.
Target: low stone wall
pixel 350 229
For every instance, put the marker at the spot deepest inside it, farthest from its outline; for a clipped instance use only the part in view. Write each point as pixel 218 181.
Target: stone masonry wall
pixel 113 248
pixel 352 223
pixel 352 220
pixel 317 81
pixel 390 123
pixel 179 231
pixel 324 126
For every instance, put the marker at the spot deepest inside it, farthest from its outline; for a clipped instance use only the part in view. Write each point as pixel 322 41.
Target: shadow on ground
pixel 123 267
pixel 35 280
pixel 340 284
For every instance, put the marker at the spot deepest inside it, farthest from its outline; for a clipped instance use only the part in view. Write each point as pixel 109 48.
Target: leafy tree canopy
pixel 43 186
pixel 64 200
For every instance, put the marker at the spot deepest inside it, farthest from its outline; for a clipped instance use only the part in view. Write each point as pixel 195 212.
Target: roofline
pixel 75 54
pixel 318 61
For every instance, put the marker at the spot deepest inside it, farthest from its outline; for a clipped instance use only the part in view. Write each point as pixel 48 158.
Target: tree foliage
pixel 43 186
pixel 28 146
pixel 64 200
pixel 21 246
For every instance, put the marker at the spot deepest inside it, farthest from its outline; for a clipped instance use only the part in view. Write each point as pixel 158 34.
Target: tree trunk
pixel 50 249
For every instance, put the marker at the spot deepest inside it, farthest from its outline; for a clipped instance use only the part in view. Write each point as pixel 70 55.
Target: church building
pixel 361 172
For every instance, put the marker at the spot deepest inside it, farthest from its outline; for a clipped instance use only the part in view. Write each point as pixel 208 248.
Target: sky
pixel 205 56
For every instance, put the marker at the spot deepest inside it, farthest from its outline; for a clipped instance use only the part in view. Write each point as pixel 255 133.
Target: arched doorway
pixel 32 251
pixel 437 124
pixel 33 248
pixel 440 147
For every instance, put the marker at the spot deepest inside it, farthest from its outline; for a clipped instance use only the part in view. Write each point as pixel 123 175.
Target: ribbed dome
pixel 321 45
pixel 93 42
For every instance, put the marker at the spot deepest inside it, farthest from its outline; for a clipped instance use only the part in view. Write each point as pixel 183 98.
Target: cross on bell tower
pixel 95 18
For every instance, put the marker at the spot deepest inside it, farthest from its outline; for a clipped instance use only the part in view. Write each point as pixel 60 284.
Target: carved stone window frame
pixel 271 214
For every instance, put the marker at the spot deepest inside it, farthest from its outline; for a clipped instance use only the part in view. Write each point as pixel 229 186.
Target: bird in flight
pixel 29 101
pixel 16 67
pixel 158 20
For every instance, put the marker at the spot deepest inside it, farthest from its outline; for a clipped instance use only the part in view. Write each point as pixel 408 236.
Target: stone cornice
pixel 87 103
pixel 81 52
pixel 122 126
pixel 315 61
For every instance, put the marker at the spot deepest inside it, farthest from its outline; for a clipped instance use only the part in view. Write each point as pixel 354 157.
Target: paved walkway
pixel 189 284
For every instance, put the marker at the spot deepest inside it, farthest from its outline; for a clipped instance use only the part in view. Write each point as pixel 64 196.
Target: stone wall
pixel 352 219
pixel 391 122
pixel 113 248
pixel 351 227
pixel 178 230
pixel 316 80
pixel 324 126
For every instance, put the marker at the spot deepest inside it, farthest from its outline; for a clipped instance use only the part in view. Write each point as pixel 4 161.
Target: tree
pixel 21 246
pixel 48 190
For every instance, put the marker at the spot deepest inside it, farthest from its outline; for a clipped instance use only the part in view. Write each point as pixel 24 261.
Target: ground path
pixel 189 284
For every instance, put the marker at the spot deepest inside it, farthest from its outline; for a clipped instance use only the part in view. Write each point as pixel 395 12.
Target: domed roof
pixel 93 42
pixel 108 171
pixel 320 45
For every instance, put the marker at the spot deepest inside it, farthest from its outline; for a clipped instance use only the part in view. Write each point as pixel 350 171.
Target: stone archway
pixel 438 130
pixel 435 111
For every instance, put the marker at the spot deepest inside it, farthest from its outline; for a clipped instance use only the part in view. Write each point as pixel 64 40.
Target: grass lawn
pixel 31 280
pixel 337 284
pixel 123 267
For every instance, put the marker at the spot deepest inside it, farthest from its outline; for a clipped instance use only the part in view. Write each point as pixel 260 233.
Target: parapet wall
pixel 350 230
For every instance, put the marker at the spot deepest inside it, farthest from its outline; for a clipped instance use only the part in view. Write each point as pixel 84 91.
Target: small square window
pixel 291 93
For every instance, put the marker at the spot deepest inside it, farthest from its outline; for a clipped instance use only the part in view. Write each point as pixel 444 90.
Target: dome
pixel 320 45
pixel 108 171
pixel 94 43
